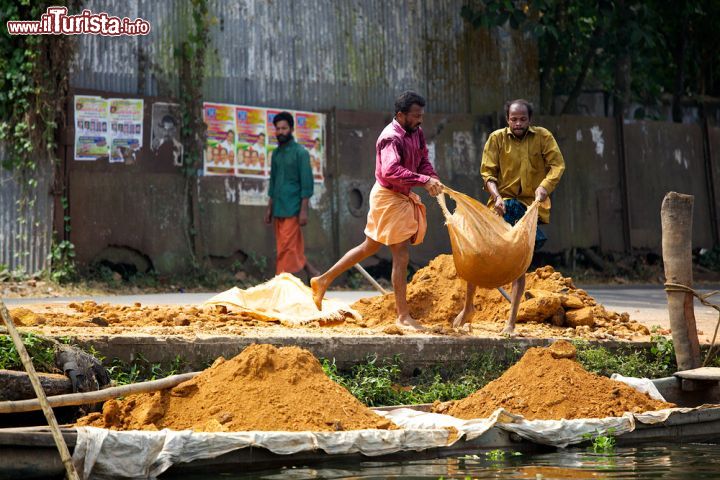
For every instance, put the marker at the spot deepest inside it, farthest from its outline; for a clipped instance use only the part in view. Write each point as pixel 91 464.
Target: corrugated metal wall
pixel 25 234
pixel 317 54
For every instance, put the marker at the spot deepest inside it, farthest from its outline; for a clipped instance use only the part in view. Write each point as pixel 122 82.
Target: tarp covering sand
pixel 284 298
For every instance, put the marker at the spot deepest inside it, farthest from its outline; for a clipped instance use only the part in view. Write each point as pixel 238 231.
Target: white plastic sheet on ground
pixel 284 298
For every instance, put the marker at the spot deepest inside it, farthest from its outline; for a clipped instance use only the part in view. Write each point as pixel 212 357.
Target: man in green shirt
pixel 290 189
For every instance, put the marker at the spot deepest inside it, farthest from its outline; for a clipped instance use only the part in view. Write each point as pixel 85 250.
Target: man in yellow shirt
pixel 521 163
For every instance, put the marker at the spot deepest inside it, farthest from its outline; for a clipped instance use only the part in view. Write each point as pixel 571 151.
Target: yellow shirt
pixel 520 166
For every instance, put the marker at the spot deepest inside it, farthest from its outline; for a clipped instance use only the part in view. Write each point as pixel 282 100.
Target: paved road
pixel 646 304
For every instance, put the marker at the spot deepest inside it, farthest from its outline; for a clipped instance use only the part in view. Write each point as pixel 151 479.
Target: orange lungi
pixel 290 245
pixel 394 217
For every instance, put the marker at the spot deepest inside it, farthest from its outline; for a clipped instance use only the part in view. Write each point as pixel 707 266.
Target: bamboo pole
pixel 676 216
pixel 86 398
pixel 370 279
pixel 47 411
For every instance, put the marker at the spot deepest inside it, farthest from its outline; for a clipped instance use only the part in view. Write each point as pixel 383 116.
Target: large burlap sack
pixel 487 250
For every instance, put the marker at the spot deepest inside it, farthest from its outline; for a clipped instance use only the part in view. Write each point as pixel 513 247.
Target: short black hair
pixel 519 101
pixel 287 116
pixel 406 100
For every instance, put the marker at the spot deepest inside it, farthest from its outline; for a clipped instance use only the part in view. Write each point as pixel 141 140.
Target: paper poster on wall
pixel 220 148
pixel 270 141
pixel 126 123
pixel 251 140
pixel 241 140
pixel 165 131
pixel 92 139
pixel 309 128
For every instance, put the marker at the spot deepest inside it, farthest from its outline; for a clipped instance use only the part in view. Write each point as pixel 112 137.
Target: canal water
pixel 669 462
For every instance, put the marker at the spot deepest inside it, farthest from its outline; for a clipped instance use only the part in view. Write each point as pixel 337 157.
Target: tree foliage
pixel 635 50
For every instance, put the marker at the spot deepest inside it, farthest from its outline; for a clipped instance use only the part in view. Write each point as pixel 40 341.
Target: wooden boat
pixel 31 453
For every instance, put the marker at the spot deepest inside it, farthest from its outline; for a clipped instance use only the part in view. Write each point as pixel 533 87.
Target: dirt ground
pixel 552 307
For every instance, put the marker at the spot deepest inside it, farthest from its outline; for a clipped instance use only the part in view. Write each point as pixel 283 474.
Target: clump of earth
pixel 549 384
pixel 552 302
pixel 262 388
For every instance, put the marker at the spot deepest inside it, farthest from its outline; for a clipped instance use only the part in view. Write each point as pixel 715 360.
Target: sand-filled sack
pixel 488 251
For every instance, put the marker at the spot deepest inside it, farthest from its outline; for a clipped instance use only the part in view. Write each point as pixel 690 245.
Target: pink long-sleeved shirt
pixel 401 160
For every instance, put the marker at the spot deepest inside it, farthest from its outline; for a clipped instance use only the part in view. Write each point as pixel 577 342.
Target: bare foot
pixel 407 322
pixel 318 291
pixel 464 317
pixel 508 331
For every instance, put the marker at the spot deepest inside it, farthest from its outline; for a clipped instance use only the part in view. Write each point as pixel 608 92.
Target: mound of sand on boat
pixel 549 384
pixel 263 388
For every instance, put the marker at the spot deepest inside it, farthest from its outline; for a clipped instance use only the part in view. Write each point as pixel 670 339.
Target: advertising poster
pixel 241 140
pixel 251 141
pixel 165 131
pixel 220 149
pixel 92 139
pixel 126 122
pixel 271 141
pixel 309 129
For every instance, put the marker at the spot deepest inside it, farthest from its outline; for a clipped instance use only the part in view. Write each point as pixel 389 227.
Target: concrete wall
pixel 141 207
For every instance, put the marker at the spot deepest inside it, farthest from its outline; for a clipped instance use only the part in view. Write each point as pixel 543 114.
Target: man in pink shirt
pixel 397 216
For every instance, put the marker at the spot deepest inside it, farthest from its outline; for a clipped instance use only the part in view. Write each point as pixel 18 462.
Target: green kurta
pixel 291 179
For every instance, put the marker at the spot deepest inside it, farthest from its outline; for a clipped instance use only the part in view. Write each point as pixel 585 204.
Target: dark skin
pixel 410 121
pixel 518 120
pixel 283 128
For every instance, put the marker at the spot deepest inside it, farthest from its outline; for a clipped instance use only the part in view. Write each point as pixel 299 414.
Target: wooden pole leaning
pixel 86 398
pixel 49 414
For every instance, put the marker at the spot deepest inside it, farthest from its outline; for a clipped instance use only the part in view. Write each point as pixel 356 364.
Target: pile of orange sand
pixel 91 314
pixel 549 384
pixel 263 388
pixel 436 295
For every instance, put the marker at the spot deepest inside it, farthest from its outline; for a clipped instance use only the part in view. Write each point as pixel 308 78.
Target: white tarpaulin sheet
pixel 107 454
pixel 284 298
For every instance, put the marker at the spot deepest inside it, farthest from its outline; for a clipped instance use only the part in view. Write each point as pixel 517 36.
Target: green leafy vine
pixel 34 82
pixel 190 55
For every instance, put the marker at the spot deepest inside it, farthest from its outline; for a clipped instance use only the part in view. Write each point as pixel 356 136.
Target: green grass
pixel 142 370
pixel 42 352
pixel 381 382
pixel 628 361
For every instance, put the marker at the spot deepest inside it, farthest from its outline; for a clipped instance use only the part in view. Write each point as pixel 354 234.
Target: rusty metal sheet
pixel 589 147
pixel 25 233
pixel 664 157
pixel 317 54
pixel 714 144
